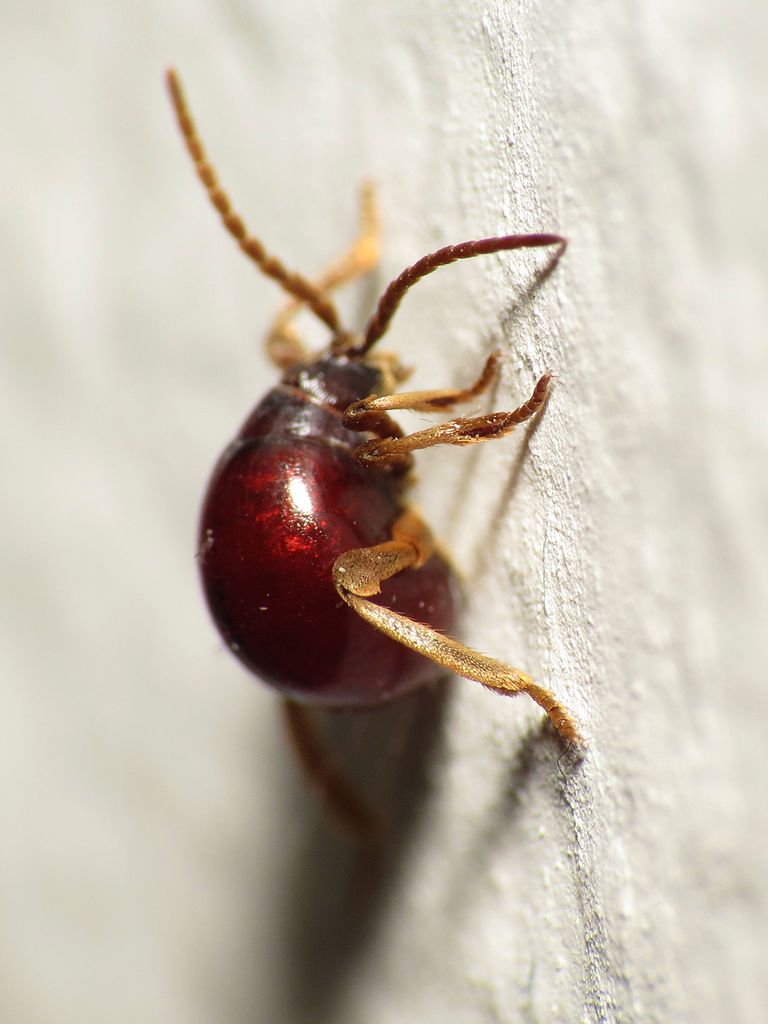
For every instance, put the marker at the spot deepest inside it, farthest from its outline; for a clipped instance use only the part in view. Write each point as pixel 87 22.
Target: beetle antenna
pixel 394 292
pixel 291 282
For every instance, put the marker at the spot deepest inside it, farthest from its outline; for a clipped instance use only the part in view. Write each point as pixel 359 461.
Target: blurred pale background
pixel 159 860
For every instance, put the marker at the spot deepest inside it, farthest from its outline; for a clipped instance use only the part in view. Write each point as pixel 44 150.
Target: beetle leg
pixel 358 416
pixel 342 801
pixel 283 344
pixel 357 575
pixel 371 414
pixel 361 571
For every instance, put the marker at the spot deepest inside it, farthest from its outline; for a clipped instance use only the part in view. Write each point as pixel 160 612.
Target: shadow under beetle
pixel 319 577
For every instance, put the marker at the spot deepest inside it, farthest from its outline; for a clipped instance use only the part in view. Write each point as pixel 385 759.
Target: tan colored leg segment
pixel 361 415
pixel 357 575
pixel 370 415
pixel 283 344
pixel 361 571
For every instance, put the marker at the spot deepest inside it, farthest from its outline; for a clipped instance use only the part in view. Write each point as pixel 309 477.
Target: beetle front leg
pixel 372 414
pixel 357 576
pixel 283 344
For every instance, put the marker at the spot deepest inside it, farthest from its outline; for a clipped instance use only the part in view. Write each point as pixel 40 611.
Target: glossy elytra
pixel 319 577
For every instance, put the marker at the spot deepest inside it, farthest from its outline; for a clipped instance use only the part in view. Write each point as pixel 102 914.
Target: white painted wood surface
pixel 159 861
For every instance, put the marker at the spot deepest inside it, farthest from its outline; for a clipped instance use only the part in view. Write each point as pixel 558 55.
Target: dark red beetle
pixel 319 578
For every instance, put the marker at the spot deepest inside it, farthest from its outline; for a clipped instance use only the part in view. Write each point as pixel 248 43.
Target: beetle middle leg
pixel 358 575
pixel 283 344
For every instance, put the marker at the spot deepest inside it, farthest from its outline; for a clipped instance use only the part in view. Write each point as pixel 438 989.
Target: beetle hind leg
pixel 357 576
pixel 344 804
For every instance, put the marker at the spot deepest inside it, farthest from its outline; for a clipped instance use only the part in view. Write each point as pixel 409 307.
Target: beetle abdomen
pixel 279 510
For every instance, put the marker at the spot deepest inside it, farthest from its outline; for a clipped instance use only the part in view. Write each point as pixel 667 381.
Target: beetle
pixel 318 575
